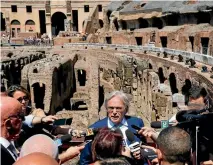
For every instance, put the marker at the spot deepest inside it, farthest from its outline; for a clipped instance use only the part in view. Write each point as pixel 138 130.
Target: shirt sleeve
pixel 28 120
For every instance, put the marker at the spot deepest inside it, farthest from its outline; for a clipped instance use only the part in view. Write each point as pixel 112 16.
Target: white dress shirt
pixel 6 144
pixel 123 127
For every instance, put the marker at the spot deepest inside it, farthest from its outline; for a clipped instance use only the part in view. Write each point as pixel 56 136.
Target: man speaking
pixel 117 105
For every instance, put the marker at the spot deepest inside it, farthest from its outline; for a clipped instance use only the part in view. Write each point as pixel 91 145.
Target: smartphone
pixel 65 121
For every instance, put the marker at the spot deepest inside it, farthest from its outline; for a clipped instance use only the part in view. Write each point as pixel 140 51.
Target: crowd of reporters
pixel 28 136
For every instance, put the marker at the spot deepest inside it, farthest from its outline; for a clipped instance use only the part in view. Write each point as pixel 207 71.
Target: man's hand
pixel 137 154
pixel 48 119
pixel 70 153
pixel 209 162
pixel 148 132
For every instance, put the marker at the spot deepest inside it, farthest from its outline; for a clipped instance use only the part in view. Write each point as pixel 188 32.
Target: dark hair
pixel 13 88
pixel 114 161
pixel 107 143
pixel 175 145
pixel 3 89
pixel 196 91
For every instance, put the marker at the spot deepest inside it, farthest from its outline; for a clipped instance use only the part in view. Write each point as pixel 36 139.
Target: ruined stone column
pixel 69 16
pixel 48 19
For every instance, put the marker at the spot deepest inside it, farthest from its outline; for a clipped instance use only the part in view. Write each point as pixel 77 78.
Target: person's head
pixel 197 94
pixel 107 143
pixel 21 94
pixel 40 143
pixel 11 118
pixel 117 105
pixel 174 146
pixel 36 158
pixel 113 161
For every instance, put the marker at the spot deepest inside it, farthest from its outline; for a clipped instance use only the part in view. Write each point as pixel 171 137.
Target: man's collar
pixel 111 124
pixel 4 142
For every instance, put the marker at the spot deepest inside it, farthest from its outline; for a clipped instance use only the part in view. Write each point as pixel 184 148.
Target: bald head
pixel 9 106
pixel 11 118
pixel 40 143
pixel 36 159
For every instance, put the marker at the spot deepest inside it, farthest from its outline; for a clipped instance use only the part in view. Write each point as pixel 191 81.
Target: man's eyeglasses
pixel 118 109
pixel 18 116
pixel 25 98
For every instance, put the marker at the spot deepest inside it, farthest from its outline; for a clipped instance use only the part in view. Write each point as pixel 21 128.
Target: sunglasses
pixel 18 116
pixel 25 98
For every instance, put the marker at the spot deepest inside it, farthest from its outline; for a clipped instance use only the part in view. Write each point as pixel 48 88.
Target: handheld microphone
pixel 161 124
pixel 63 139
pixel 134 146
pixel 90 133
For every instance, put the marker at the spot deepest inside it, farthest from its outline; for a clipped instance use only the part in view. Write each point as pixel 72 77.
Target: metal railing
pixel 203 58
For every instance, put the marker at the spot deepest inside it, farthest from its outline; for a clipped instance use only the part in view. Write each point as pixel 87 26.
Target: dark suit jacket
pixel 6 157
pixel 86 154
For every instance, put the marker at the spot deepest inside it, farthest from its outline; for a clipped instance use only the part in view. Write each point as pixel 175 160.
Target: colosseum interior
pixel 149 50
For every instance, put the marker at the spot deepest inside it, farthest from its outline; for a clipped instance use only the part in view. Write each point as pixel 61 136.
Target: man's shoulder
pixel 99 123
pixel 134 120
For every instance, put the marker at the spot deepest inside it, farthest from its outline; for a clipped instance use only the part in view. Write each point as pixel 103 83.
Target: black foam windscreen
pixel 118 130
pixel 156 124
pixel 130 136
pixel 180 114
pixel 66 138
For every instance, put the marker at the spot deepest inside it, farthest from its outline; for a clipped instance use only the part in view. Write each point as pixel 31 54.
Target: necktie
pixel 13 150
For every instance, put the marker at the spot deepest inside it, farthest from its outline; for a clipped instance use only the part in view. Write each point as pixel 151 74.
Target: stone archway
pixel 58 23
pixel 30 26
pixel 15 28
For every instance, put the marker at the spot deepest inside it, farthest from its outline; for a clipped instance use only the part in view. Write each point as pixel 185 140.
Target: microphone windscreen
pixel 130 136
pixel 66 138
pixel 118 130
pixel 156 124
pixel 180 116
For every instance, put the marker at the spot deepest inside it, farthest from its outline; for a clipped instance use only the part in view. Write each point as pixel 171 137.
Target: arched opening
pixel 108 15
pixel 161 75
pixel 15 28
pixel 101 97
pixel 143 23
pixel 101 23
pixel 81 77
pixel 80 105
pixel 3 23
pixel 39 93
pixel 30 26
pixel 156 22
pixel 203 17
pixel 35 70
pixel 150 66
pixel 57 22
pixel 173 83
pixel 185 90
pixel 116 24
pixel 173 20
pixel 123 24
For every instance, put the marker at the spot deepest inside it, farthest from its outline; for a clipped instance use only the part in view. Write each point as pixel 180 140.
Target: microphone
pixel 90 133
pixel 63 139
pixel 159 124
pixel 134 146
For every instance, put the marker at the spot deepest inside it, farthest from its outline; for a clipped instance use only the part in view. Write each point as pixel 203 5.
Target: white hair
pixel 122 96
pixel 40 143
